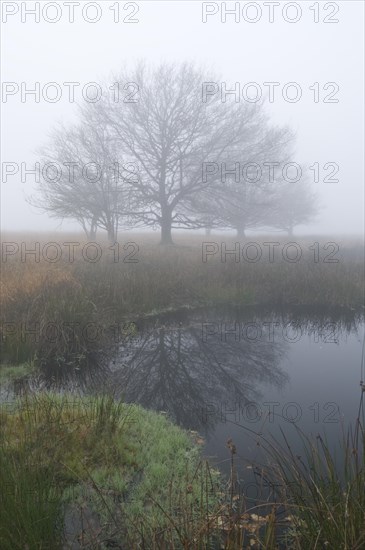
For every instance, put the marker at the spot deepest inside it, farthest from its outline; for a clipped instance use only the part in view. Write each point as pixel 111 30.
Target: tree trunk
pixel 93 228
pixel 85 228
pixel 90 232
pixel 241 231
pixel 111 234
pixel 208 231
pixel 290 232
pixel 166 222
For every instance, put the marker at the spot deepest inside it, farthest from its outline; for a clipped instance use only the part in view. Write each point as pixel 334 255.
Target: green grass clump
pixel 30 505
pixel 322 489
pixel 122 475
pixel 15 372
pixel 136 471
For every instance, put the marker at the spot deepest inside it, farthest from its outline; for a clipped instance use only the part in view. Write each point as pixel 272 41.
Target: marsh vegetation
pixel 95 470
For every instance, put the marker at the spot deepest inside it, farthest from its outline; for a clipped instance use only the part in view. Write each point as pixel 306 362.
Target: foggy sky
pixel 302 52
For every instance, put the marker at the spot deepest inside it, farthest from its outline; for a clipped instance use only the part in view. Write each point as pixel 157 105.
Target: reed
pixel 75 308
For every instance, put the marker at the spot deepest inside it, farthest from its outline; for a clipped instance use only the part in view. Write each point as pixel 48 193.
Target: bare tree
pixel 295 204
pixel 171 131
pixel 180 145
pixel 82 179
pixel 249 190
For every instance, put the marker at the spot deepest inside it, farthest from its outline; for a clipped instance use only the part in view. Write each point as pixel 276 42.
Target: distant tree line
pixel 167 158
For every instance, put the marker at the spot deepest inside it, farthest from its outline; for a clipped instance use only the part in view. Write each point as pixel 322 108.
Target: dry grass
pixel 108 291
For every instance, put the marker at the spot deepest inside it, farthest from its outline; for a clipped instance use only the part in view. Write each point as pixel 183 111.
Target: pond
pixel 239 374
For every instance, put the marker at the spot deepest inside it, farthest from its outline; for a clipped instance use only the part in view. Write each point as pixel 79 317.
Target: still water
pixel 233 373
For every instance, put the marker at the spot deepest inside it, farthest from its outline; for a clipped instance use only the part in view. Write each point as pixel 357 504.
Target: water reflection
pixel 176 369
pixel 219 371
pixel 195 364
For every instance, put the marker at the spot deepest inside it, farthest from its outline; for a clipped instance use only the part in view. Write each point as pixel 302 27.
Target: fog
pixel 182 359
pixel 303 52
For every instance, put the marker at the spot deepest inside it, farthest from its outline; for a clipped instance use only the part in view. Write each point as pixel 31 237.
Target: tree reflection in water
pixel 174 370
pixel 186 365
